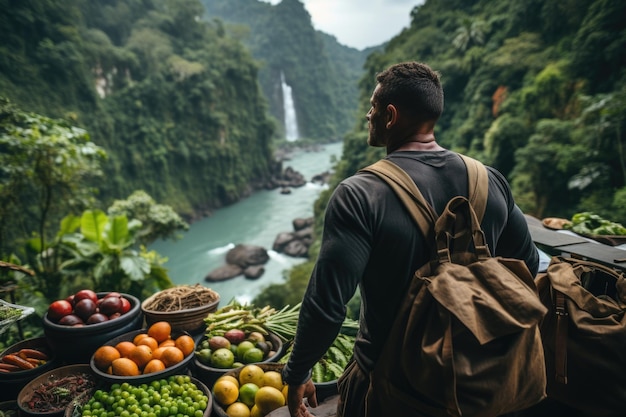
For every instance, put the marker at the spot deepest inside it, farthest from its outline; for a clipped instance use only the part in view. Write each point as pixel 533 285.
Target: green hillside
pixel 536 88
pixel 175 102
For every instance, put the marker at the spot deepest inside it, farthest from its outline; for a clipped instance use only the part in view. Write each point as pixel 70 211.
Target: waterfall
pixel 291 122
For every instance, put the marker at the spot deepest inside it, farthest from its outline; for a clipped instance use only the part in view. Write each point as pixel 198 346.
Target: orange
pixel 154 365
pixel 139 337
pixel 225 392
pixel 186 344
pixel 141 355
pixel 171 356
pixel 104 356
pixel 125 347
pixel 166 343
pixel 148 341
pixel 160 330
pixel 124 367
pixel 158 352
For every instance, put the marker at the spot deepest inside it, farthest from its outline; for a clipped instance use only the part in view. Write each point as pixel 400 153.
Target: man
pixel 371 242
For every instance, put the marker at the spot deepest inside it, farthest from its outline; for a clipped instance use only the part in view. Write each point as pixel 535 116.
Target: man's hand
pixel 296 393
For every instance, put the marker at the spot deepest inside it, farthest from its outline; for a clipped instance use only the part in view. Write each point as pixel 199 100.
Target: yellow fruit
pixel 285 392
pixel 273 379
pixel 269 399
pixel 255 412
pixel 238 410
pixel 225 392
pixel 229 378
pixel 251 373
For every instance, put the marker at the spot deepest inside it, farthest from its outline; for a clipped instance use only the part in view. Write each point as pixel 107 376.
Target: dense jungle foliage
pixel 175 102
pixel 536 89
pixel 108 106
pixel 322 73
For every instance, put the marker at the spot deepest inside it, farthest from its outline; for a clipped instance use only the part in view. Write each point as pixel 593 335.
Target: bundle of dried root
pixel 181 297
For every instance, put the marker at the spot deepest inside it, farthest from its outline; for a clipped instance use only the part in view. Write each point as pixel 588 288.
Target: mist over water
pixel 256 220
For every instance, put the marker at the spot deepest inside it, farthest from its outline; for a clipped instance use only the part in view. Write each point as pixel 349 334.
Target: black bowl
pixel 77 344
pixel 209 374
pixel 12 382
pixel 179 368
pixel 56 373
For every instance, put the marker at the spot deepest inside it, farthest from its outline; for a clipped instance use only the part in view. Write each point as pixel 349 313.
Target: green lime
pixel 253 355
pixel 243 347
pixel 222 358
pixel 247 392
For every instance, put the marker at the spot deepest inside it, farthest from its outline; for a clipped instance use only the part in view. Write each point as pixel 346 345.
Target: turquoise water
pixel 255 220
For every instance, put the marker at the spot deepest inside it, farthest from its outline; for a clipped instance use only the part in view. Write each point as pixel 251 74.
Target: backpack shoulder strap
pixel 478 185
pixel 422 212
pixel 404 186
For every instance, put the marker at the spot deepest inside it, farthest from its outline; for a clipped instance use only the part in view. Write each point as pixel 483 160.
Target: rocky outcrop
pixel 223 273
pixel 296 243
pixel 322 178
pixel 247 255
pixel 242 259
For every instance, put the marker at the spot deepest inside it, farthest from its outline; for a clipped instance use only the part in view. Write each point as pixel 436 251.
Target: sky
pixel 359 23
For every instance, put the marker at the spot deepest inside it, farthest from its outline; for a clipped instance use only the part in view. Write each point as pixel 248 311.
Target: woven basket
pixel 189 320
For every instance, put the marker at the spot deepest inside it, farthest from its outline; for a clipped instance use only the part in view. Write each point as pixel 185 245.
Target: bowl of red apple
pixel 77 325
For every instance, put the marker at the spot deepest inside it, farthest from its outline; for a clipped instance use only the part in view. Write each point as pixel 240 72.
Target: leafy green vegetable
pixel 588 223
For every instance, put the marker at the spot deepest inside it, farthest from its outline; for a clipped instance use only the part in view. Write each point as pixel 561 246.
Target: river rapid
pixel 255 220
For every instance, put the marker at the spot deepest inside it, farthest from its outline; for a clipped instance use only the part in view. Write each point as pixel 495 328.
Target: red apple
pixel 113 294
pixel 125 305
pixel 70 299
pixel 70 320
pixel 97 318
pixel 58 309
pixel 85 308
pixel 82 294
pixel 115 315
pixel 110 305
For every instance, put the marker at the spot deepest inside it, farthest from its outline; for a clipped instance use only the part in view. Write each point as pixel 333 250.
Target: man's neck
pixel 418 142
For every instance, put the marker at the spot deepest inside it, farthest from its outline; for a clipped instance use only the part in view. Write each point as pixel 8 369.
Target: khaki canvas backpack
pixel 466 340
pixel 584 338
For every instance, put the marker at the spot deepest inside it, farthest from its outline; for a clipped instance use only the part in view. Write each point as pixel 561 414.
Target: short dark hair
pixel 414 87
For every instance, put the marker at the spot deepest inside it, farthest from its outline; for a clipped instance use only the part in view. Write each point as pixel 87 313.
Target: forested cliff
pixel 173 101
pixel 322 73
pixel 172 98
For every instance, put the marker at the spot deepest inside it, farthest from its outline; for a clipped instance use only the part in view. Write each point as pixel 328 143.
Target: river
pixel 255 220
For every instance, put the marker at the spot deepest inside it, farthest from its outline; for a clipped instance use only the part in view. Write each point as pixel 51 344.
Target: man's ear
pixel 391 116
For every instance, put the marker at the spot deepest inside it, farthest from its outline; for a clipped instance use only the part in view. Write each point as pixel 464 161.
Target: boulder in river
pixel 223 273
pixel 295 243
pixel 242 259
pixel 254 271
pixel 247 255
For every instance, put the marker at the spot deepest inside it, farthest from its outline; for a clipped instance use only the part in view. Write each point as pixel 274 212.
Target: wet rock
pixel 223 273
pixel 301 223
pixel 247 255
pixel 254 271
